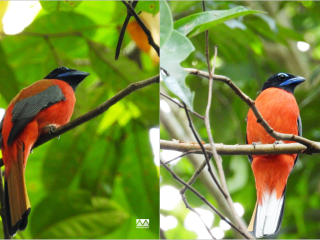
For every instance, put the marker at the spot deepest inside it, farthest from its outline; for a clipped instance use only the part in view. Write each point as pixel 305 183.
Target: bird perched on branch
pixel 279 108
pixel 36 110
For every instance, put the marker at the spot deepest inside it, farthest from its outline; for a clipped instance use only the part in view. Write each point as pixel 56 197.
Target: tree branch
pixel 95 112
pixel 263 149
pixel 143 26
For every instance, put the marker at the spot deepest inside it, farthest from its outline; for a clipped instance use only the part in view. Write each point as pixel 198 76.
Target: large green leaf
pixel 176 49
pixel 74 214
pixel 148 6
pixel 166 22
pixel 65 5
pixel 139 175
pixel 200 22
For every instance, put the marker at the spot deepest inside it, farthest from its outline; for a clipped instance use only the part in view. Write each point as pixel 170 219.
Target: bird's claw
pixel 255 143
pixel 277 142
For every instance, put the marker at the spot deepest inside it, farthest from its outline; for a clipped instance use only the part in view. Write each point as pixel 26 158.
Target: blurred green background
pixel 251 49
pixel 100 177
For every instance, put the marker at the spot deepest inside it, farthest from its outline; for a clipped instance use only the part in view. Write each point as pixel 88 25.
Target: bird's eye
pixel 281 77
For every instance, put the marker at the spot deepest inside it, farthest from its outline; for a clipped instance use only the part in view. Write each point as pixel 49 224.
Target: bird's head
pixel 284 81
pixel 71 76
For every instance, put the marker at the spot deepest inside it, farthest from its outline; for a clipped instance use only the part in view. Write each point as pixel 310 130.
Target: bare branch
pixel 181 106
pixel 263 149
pixel 143 26
pixel 123 30
pixel 203 150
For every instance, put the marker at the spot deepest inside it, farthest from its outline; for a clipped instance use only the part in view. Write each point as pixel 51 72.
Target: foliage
pixel 251 49
pixel 100 177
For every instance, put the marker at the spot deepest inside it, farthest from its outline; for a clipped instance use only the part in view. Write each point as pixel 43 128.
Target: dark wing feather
pixel 24 110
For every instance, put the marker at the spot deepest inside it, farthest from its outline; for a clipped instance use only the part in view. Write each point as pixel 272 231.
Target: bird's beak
pixel 74 73
pixel 295 80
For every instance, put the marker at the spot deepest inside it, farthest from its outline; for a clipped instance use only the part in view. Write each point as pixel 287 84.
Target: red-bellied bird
pixel 279 108
pixel 37 109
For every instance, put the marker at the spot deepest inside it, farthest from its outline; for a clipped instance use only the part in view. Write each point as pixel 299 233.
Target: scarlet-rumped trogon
pixel 279 108
pixel 37 109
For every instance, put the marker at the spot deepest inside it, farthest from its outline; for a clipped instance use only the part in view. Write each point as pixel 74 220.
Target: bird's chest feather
pixel 279 108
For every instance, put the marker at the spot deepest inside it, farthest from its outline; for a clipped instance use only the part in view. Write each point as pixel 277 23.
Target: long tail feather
pixel 16 197
pixel 267 218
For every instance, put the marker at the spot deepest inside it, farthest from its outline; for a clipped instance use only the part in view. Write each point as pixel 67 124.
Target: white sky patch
pixel 239 209
pixel 169 197
pixel 303 46
pixel 2 111
pixel 154 136
pixel 193 223
pixel 224 225
pixel 19 15
pixel 169 155
pixel 165 106
pixel 168 222
pixel 217 232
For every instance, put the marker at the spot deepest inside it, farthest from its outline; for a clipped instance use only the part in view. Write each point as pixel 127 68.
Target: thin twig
pixel 311 145
pixel 143 26
pixel 123 29
pixel 3 210
pixel 184 199
pixel 95 112
pixel 202 198
pixel 181 106
pixel 247 149
pixel 183 155
pixel 216 157
pixel 202 148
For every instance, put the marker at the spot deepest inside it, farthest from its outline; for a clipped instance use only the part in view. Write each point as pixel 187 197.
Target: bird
pixel 279 108
pixel 36 110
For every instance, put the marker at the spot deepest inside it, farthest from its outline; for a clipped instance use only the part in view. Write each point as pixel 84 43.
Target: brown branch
pixel 261 149
pixel 143 26
pixel 181 106
pixel 95 112
pixel 203 150
pixel 202 198
pixel 123 30
pixel 311 145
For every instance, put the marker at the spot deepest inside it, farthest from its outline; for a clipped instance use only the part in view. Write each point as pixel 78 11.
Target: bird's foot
pixel 49 128
pixel 277 142
pixel 256 143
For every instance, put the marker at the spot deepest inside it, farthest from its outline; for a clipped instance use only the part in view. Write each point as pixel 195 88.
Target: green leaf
pixel 176 49
pixel 148 6
pixel 200 22
pixel 139 175
pixel 74 214
pixel 9 88
pixel 52 6
pixel 166 23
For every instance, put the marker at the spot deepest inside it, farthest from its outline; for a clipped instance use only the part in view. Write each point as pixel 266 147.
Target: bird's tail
pixel 17 203
pixel 267 217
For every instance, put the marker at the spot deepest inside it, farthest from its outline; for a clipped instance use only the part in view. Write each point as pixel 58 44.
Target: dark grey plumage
pixel 24 110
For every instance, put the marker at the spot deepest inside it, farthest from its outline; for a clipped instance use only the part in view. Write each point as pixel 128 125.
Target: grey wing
pixel 24 110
